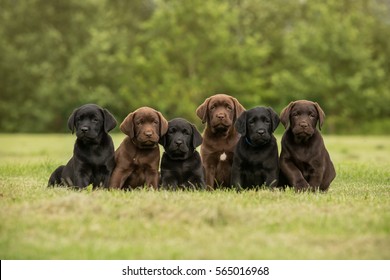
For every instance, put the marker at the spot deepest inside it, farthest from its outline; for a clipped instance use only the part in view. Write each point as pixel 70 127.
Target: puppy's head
pixel 220 111
pixel 90 121
pixel 145 126
pixel 302 116
pixel 181 139
pixel 257 125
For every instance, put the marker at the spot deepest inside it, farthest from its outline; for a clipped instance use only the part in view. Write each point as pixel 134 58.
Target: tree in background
pixel 172 54
pixel 331 56
pixel 189 50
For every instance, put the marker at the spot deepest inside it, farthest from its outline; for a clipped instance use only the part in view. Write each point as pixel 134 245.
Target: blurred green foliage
pixel 172 54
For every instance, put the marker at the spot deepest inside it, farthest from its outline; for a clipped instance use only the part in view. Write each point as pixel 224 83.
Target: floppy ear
pixel 202 111
pixel 196 137
pixel 109 121
pixel 163 124
pixel 321 115
pixel 127 126
pixel 274 117
pixel 238 108
pixel 241 124
pixel 285 115
pixel 163 140
pixel 71 120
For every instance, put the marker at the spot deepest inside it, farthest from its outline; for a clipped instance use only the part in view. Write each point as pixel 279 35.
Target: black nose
pixel 179 142
pixel 84 129
pixel 261 131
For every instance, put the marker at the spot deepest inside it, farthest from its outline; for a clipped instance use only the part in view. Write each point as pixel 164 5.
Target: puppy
pixel 255 161
pixel 93 154
pixel 304 161
pixel 181 165
pixel 220 137
pixel 138 156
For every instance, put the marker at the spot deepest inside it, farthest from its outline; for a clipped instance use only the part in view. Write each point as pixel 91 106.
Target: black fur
pixel 181 165
pixel 255 161
pixel 93 155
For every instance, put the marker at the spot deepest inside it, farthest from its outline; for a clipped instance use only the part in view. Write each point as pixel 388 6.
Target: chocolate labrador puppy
pixel 220 137
pixel 181 165
pixel 93 154
pixel 255 161
pixel 304 161
pixel 138 156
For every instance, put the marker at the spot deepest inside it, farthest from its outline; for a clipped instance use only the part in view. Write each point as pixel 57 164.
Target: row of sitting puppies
pixel 237 148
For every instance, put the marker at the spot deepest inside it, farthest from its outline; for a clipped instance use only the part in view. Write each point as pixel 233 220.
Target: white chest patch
pixel 223 157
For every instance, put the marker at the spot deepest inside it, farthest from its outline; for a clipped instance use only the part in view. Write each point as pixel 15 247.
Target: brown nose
pixel 303 124
pixel 148 133
pixel 221 116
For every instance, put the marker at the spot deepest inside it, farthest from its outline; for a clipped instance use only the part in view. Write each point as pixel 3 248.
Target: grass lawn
pixel 351 221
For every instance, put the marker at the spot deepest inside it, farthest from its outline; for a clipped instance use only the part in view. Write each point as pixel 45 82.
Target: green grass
pixel 351 221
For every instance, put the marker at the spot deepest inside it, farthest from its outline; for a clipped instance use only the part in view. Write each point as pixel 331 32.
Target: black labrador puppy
pixel 181 165
pixel 255 161
pixel 93 155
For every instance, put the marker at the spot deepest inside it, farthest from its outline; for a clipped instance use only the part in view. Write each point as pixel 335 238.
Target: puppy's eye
pixel 267 121
pixel 312 115
pixel 251 122
pixel 172 130
pixel 95 120
pixel 186 132
pixel 212 107
pixel 230 108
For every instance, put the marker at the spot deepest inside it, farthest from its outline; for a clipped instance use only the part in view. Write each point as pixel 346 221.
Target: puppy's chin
pixel 87 139
pixel 302 136
pixel 177 154
pixel 259 141
pixel 220 128
pixel 146 144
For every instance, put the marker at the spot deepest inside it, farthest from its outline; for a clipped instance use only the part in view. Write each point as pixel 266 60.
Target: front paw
pixel 301 185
